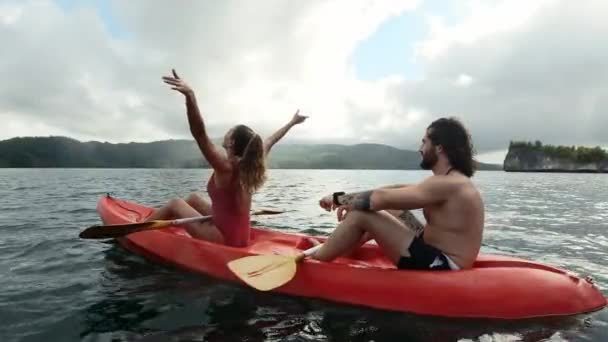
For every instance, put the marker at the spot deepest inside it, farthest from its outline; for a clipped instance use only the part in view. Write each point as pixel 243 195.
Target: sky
pixel 373 71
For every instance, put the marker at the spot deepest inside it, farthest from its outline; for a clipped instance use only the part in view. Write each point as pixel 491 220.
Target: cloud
pixel 248 62
pixel 531 72
pixel 508 69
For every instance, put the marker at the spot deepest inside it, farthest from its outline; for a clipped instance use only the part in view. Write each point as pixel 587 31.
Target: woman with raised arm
pixel 236 176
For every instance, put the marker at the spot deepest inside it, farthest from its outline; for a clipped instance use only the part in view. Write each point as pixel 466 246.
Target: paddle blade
pixel 118 230
pixel 264 272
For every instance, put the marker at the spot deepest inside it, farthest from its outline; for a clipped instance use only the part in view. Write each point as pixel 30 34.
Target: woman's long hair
pixel 249 147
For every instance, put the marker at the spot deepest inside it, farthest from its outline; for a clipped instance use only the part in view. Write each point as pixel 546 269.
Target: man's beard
pixel 428 160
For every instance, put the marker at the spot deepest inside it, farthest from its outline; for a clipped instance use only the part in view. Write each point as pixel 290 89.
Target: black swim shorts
pixel 424 257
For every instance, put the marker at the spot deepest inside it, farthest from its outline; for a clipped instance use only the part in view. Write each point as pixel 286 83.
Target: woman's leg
pixel 163 213
pixel 198 203
pixel 194 200
pixel 178 208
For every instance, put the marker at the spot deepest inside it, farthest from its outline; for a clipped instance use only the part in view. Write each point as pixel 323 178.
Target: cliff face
pixel 526 159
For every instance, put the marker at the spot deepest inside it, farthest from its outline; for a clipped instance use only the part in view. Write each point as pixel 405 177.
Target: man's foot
pixel 313 242
pixel 307 242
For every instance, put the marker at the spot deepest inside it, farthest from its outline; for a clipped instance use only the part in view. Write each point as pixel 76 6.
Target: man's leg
pixel 409 219
pixel 392 235
pixel 405 216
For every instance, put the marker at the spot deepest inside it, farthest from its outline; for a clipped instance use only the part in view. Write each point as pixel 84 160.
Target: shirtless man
pixel 452 206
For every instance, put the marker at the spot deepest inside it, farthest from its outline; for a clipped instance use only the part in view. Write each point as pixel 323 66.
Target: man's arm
pixel 395 186
pixel 417 196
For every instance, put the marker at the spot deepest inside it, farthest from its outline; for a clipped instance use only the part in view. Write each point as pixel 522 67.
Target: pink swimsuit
pixel 233 225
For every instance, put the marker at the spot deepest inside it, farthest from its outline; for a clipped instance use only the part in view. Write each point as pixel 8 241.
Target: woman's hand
pixel 178 84
pixel 297 118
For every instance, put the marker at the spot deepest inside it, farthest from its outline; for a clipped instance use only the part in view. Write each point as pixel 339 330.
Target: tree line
pixel 579 154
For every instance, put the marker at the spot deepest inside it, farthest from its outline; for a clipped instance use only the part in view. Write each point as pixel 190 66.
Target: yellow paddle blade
pixel 264 272
pixel 117 230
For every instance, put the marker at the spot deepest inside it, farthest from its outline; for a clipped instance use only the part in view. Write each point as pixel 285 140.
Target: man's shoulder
pixel 449 184
pixel 448 180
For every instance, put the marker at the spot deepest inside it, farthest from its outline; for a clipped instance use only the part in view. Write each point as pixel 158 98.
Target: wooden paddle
pixel 118 230
pixel 267 272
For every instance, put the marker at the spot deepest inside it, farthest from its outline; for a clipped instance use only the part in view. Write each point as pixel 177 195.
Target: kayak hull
pixel 498 287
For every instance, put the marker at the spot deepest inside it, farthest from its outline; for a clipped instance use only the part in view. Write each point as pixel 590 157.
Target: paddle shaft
pixel 178 222
pixel 118 230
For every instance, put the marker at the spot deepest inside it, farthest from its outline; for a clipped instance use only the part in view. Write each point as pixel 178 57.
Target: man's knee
pixel 363 220
pixel 357 216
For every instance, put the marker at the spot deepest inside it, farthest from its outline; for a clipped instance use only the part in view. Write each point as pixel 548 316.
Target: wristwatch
pixel 336 194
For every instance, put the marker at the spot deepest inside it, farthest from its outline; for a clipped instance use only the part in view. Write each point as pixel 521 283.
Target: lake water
pixel 56 287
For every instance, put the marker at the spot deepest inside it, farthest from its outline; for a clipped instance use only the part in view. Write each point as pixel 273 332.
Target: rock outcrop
pixel 527 157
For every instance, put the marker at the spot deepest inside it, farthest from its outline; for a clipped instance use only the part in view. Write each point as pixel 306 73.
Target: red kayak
pixel 496 287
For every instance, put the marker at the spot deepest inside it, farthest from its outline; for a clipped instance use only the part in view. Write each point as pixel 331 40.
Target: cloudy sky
pixel 364 70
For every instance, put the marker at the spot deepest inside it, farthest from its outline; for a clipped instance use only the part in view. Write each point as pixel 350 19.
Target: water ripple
pixel 56 287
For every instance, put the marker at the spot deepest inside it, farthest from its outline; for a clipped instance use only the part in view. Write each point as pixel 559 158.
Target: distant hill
pixel 66 152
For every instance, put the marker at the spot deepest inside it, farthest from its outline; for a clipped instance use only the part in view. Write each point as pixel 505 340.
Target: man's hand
pixel 327 202
pixel 342 212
